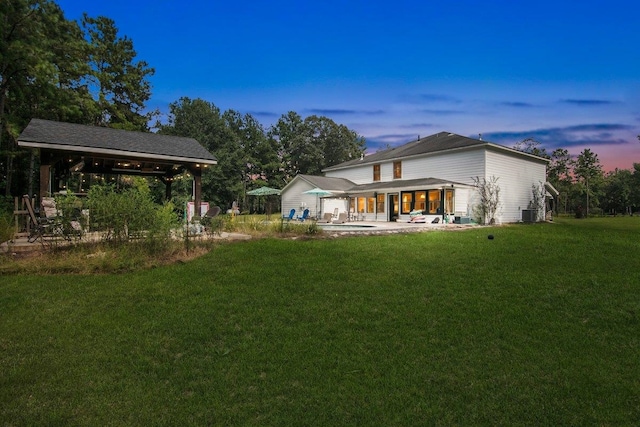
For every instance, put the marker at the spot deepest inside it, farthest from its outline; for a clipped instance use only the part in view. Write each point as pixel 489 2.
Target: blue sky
pixel 565 73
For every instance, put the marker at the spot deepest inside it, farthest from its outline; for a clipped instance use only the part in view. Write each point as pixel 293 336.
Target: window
pixel 421 201
pixel 448 201
pixel 361 202
pixel 407 202
pixel 380 203
pixel 397 170
pixel 376 172
pixel 371 202
pixel 434 201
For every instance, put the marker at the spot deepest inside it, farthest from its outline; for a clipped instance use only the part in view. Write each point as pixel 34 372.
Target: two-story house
pixel 434 175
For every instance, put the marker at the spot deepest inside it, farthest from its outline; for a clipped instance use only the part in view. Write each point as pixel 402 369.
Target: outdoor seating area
pixel 44 221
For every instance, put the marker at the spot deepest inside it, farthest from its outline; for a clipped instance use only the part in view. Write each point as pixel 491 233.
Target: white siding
pixel 293 197
pixel 358 174
pixel 516 176
pixel 463 203
pixel 457 166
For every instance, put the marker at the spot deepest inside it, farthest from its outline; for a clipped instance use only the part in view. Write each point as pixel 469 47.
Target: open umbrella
pixel 264 191
pixel 318 192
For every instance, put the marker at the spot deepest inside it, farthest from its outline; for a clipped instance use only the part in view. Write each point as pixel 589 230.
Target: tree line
pixel 250 156
pixel 585 189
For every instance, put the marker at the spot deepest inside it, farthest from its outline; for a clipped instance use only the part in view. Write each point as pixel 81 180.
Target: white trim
pixel 117 153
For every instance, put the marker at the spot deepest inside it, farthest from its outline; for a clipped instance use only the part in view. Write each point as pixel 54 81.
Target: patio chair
pixel 304 216
pixel 64 227
pixel 342 218
pixel 214 211
pixel 292 212
pixel 207 220
pixel 326 218
pixel 41 226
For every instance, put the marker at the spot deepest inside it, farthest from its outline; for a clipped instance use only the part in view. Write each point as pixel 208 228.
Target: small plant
pixel 7 228
pixel 489 193
pixel 538 193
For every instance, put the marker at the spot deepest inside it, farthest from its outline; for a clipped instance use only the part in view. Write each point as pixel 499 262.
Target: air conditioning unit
pixel 529 215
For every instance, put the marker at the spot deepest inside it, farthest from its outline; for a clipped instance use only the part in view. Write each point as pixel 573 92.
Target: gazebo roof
pixel 94 149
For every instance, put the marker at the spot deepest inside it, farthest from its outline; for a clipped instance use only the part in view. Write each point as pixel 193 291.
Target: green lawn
pixel 539 326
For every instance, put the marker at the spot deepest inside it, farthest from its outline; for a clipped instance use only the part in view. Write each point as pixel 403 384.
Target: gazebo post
pixel 45 180
pixel 197 191
pixel 167 189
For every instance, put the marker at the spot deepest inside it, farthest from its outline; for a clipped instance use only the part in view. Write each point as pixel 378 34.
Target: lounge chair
pixel 66 227
pixel 40 226
pixel 326 218
pixel 305 215
pixel 342 218
pixel 207 219
pixel 214 211
pixel 292 212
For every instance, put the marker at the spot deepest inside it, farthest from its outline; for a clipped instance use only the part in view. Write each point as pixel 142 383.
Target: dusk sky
pixel 565 73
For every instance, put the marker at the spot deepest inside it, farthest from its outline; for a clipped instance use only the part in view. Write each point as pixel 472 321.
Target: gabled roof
pixel 437 143
pixel 95 140
pixel 334 185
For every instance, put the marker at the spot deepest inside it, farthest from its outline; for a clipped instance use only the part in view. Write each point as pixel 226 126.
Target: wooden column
pixel 45 180
pixel 167 189
pixel 197 191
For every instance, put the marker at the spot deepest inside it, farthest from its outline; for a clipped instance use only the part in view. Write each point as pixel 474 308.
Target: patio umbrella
pixel 318 192
pixel 264 191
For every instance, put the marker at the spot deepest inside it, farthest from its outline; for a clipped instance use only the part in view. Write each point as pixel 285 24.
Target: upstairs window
pixel 376 172
pixel 397 170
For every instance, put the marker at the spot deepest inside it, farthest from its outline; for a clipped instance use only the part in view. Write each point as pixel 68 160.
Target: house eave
pixel 113 153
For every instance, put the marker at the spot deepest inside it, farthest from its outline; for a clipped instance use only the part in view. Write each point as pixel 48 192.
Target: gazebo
pixel 85 149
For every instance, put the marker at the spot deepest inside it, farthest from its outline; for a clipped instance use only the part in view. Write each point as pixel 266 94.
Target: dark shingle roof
pixel 69 136
pixel 438 142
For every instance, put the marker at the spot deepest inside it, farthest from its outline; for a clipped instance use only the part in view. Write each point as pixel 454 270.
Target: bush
pixel 130 214
pixel 7 228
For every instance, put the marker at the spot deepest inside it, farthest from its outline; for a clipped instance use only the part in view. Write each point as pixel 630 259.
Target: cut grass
pixel 538 326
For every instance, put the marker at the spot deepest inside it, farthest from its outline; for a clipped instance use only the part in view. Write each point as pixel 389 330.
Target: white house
pixel 434 175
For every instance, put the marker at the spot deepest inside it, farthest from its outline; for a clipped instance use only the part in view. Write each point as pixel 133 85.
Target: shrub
pixel 130 214
pixel 7 228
